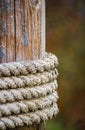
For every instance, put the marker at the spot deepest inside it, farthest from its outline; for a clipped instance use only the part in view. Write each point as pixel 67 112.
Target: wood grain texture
pixel 3 32
pixel 10 47
pixel 39 32
pixel 21 34
pixel 27 30
pixel 43 31
pixel 34 30
pixel 23 30
pixel 18 28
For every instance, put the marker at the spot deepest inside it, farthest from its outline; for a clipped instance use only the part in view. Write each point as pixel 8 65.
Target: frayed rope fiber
pixel 28 91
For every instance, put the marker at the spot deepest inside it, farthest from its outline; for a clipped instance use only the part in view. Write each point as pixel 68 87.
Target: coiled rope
pixel 28 91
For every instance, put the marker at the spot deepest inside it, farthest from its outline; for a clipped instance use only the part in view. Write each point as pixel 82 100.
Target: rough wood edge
pixel 43 31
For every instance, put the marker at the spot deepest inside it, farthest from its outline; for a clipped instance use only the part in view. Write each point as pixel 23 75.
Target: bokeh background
pixel 66 38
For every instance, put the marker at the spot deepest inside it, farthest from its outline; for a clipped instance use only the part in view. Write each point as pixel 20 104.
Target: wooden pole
pixel 43 23
pixel 22 34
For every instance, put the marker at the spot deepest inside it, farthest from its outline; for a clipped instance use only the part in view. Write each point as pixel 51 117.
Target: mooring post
pixel 28 74
pixel 22 34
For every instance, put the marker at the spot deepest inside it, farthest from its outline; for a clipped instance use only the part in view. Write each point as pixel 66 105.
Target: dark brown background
pixel 66 38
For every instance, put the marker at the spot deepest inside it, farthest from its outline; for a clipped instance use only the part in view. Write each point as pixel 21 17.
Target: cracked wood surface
pixel 22 34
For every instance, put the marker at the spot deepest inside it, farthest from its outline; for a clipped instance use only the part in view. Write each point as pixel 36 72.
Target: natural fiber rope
pixel 28 91
pixel 28 80
pixel 23 68
pixel 12 95
pixel 28 118
pixel 26 105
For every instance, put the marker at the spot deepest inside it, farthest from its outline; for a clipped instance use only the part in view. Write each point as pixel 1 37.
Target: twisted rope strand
pixel 27 106
pixel 12 95
pixel 48 62
pixel 29 118
pixel 27 81
pixel 28 91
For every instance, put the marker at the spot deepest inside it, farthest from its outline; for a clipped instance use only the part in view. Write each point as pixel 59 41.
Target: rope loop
pixel 28 91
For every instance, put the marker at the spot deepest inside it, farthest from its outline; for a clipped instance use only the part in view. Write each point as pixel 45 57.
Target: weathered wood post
pixel 22 38
pixel 21 35
pixel 22 29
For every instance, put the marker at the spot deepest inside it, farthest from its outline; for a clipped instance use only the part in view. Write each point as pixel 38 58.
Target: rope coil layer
pixel 28 91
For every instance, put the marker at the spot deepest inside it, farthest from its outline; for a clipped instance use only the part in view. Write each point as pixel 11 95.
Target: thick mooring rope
pixel 28 118
pixel 27 106
pixel 28 91
pixel 28 80
pixel 48 62
pixel 19 94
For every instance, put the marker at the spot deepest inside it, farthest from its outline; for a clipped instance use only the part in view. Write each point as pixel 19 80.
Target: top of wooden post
pixel 22 30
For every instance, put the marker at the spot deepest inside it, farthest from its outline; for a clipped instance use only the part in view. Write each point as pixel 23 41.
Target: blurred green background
pixel 66 38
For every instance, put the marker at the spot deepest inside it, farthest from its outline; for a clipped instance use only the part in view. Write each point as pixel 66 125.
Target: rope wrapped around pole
pixel 28 91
